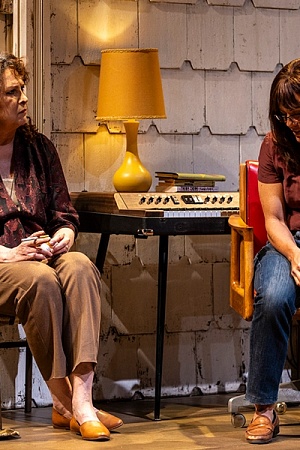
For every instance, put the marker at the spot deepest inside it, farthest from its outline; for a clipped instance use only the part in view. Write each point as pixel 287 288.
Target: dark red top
pixel 273 170
pixel 41 190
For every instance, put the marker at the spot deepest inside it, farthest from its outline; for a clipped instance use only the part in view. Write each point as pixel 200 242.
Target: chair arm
pixel 241 267
pixel 236 222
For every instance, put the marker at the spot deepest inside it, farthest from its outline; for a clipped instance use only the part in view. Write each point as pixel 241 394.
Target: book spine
pixel 187 188
pixel 188 184
pixel 190 176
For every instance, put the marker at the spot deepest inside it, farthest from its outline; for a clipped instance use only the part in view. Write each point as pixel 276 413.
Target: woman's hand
pixel 32 248
pixel 39 246
pixel 295 266
pixel 62 241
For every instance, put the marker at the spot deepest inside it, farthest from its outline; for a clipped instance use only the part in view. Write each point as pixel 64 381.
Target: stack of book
pixel 187 182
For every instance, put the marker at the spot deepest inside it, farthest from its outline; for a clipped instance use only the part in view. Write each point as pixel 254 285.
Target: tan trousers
pixel 59 308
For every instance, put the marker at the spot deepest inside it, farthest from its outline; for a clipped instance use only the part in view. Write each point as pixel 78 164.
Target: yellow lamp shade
pixel 130 85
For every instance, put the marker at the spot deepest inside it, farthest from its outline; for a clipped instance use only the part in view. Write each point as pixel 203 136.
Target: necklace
pixel 9 184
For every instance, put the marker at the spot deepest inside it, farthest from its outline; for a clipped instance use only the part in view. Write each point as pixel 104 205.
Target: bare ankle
pixel 263 408
pixel 84 412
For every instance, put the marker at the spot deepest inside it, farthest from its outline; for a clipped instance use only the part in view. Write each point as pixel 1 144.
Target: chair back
pixel 254 213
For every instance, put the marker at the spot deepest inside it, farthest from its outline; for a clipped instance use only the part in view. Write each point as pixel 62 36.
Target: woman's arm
pixel 272 200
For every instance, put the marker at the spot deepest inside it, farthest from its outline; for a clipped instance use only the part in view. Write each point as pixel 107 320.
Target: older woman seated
pixel 58 302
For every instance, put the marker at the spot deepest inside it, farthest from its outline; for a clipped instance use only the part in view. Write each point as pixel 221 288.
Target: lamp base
pixel 132 176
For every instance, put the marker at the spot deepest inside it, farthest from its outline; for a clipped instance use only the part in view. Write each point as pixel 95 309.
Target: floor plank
pixel 187 423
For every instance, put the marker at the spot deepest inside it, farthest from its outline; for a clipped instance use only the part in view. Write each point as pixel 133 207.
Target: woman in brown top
pixel 58 307
pixel 277 265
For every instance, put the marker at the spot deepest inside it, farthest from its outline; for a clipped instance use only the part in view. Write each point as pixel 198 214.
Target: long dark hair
pixel 285 87
pixel 10 61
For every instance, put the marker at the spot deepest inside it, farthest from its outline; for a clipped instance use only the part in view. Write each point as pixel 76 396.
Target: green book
pixel 190 176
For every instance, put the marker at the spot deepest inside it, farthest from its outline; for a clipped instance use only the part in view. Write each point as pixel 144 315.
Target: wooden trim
pixel 31 41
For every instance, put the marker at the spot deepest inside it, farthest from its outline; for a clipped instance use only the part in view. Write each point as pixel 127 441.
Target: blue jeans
pixel 275 303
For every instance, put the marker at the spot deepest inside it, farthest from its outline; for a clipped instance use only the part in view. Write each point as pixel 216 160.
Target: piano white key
pixel 192 213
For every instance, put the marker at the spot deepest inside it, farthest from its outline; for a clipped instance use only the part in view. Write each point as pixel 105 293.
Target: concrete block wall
pixel 218 59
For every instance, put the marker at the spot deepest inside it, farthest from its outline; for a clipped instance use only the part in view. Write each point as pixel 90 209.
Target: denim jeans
pixel 276 300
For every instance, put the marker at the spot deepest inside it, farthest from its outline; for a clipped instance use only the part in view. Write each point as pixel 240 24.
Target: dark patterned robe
pixel 43 201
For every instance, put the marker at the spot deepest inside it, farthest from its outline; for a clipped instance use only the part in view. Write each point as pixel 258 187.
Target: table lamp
pixel 130 89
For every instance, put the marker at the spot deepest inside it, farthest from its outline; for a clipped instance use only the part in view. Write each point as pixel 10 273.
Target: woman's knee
pixel 275 288
pixel 39 292
pixel 77 263
pixel 42 276
pixel 79 259
pixel 276 302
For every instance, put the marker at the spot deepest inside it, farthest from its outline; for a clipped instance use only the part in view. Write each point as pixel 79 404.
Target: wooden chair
pixel 248 235
pixel 9 320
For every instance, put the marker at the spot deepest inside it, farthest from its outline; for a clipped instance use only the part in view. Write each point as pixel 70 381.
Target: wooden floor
pixel 187 423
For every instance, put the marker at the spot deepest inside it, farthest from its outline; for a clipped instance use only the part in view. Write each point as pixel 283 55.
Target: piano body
pixel 153 213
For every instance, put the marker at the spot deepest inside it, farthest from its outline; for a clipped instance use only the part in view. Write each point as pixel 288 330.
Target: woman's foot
pixel 111 422
pixel 108 420
pixel 263 427
pixel 92 430
pixel 84 412
pixel 79 403
pixel 60 421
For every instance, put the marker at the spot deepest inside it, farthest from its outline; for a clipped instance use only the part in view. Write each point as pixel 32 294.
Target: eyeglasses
pixel 283 118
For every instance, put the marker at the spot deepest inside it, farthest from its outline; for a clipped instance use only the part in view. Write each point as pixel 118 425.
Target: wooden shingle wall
pixel 218 59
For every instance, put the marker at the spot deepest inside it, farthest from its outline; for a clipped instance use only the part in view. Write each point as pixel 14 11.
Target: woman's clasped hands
pixel 39 247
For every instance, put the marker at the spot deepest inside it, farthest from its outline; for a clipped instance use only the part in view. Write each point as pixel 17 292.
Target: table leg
pixel 0 411
pixel 28 380
pixel 161 312
pixel 102 249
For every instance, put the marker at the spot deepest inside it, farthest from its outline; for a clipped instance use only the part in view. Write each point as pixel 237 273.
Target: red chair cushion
pixel 255 216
